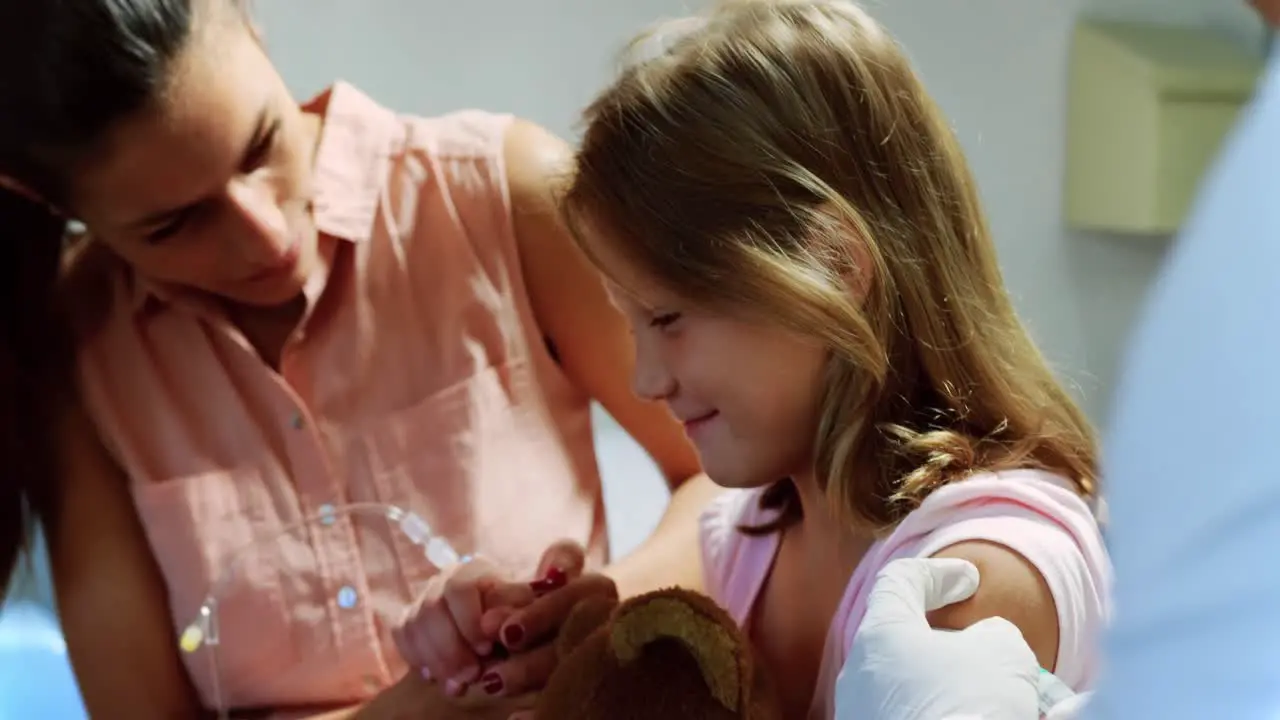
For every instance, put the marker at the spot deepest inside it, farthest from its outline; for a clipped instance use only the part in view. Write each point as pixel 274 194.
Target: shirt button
pixel 347 597
pixel 327 515
pixel 297 421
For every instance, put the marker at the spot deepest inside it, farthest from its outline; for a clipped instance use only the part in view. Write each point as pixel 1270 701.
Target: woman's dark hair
pixel 69 71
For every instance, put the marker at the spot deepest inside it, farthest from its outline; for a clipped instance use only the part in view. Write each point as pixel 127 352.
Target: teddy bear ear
pixel 585 618
pixel 706 632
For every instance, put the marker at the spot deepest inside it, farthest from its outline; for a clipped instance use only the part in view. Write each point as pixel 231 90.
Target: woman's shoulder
pixel 455 146
pixel 463 134
pixel 458 162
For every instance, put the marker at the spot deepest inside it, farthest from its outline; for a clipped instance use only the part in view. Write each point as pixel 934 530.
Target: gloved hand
pixel 1070 709
pixel 900 668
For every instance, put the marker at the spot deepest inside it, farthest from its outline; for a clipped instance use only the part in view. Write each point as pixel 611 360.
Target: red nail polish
pixel 512 635
pixel 555 578
pixel 492 683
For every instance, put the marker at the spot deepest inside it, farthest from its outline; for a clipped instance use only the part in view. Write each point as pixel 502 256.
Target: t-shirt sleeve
pixel 1067 562
pixel 1036 515
pixel 734 564
pixel 717 537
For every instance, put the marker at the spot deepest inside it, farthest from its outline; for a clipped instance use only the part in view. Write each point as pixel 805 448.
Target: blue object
pixel 36 680
pixel 1192 478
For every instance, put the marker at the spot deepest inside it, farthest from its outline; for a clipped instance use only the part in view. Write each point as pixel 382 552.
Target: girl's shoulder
pixel 1037 515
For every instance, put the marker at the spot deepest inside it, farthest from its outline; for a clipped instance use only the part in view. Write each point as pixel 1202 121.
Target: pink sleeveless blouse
pixel 418 377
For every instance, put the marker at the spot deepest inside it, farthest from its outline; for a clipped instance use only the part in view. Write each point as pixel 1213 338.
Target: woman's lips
pixel 285 265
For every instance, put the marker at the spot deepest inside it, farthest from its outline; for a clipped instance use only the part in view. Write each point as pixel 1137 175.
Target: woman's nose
pixel 266 228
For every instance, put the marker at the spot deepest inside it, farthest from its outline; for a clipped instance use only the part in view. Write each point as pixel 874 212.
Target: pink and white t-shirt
pixel 1034 513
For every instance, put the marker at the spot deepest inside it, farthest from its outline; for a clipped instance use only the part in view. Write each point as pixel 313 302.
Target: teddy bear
pixel 671 654
pixel 667 654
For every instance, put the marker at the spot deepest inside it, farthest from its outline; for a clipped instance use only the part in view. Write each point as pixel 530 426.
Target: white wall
pixel 998 68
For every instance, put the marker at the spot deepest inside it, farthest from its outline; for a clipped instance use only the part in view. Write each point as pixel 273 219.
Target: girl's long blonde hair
pixel 781 158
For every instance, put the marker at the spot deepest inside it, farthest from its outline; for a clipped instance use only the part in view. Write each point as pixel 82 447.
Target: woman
pixel 277 310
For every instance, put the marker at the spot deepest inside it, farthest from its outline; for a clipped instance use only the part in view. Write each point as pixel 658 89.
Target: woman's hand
pixel 414 698
pixel 442 633
pixel 528 632
pixel 472 626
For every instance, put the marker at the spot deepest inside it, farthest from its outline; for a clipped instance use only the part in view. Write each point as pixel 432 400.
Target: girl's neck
pixel 827 537
pixel 791 623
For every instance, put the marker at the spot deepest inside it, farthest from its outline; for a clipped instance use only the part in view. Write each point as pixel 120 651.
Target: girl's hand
pixel 528 632
pixel 442 633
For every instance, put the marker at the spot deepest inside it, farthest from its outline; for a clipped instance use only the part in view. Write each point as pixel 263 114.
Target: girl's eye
pixel 664 321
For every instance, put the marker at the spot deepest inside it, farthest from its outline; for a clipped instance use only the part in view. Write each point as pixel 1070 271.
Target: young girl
pixel 794 234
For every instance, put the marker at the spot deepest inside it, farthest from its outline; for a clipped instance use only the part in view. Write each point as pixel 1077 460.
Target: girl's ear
pixel 847 245
pixel 859 274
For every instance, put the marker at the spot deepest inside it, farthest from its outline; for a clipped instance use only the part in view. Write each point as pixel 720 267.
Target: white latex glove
pixel 902 669
pixel 1069 709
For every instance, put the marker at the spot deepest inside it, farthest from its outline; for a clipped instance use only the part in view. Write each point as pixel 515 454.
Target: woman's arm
pixel 595 350
pixel 111 595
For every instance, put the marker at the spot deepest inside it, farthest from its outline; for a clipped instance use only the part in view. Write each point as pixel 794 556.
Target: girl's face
pixel 209 188
pixel 749 394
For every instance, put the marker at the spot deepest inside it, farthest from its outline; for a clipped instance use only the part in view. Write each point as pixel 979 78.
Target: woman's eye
pixel 261 151
pixel 168 230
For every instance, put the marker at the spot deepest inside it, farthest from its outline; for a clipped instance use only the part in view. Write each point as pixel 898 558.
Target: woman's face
pixel 209 188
